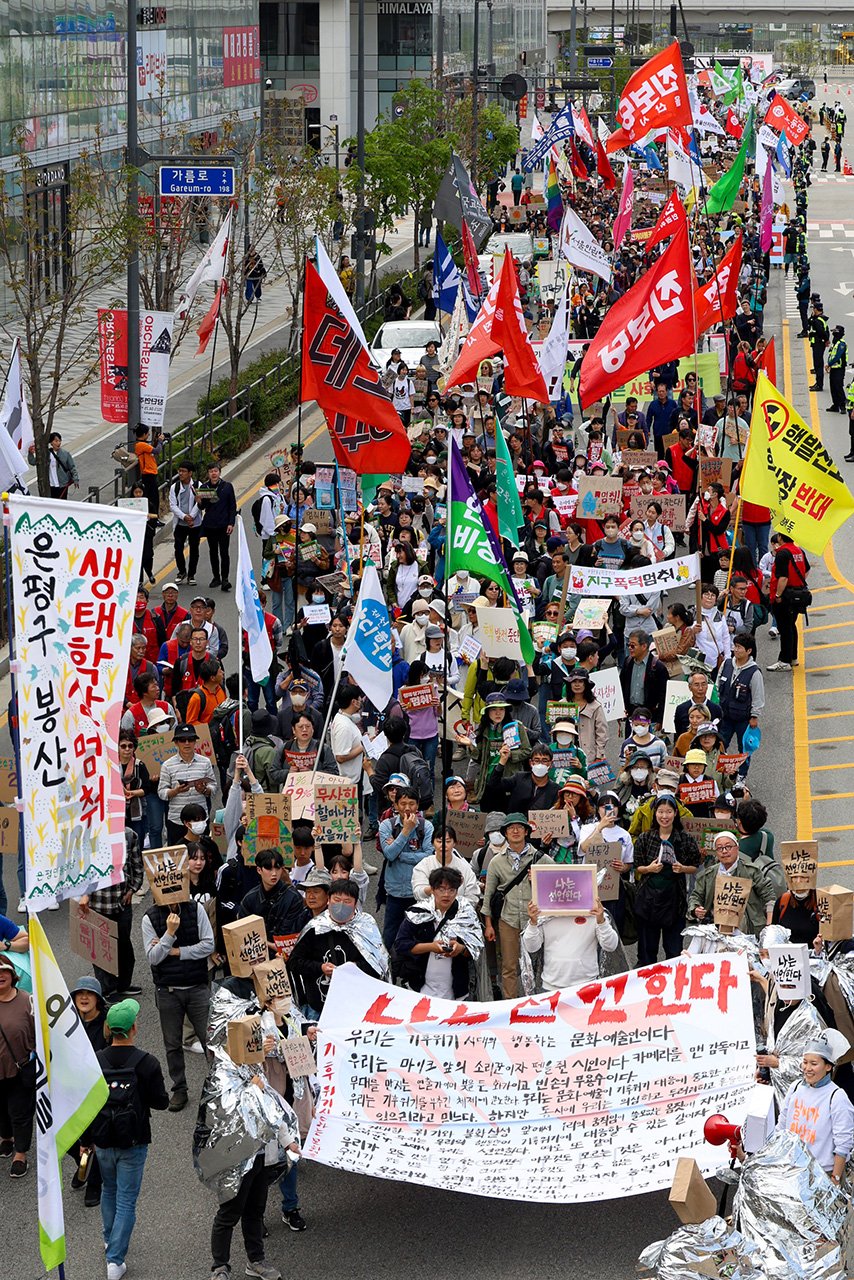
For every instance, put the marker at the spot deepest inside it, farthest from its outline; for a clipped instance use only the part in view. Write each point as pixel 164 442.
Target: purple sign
pixel 568 891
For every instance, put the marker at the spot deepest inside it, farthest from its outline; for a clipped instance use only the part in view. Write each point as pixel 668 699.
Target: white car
pixel 411 336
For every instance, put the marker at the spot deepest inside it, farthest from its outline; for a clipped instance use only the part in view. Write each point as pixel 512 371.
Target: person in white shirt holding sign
pixel 570 944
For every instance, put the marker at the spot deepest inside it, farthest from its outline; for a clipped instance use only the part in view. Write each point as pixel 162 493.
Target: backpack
pixel 121 1121
pixel 256 514
pixel 181 700
pixel 222 731
pixel 416 768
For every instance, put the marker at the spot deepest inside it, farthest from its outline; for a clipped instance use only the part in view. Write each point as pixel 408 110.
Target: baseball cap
pixel 397 780
pixel 317 878
pixel 123 1015
pixel 425 580
pixel 185 733
pixel 167 585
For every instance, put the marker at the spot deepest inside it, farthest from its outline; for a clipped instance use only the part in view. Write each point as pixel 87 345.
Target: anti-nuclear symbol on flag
pixel 776 418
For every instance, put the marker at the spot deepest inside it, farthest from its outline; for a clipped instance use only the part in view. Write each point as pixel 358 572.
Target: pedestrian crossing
pixel 832 177
pixel 826 230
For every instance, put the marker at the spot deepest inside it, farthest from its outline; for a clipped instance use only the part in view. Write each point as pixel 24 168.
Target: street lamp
pixel 360 155
pixel 476 85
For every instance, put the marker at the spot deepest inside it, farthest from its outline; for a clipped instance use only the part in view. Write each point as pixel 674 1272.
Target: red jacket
pixel 140 715
pixel 801 565
pixel 172 656
pixel 752 513
pixel 170 622
pixel 683 471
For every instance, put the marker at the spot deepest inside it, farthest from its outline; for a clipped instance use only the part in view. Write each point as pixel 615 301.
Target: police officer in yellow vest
pixel 818 332
pixel 837 359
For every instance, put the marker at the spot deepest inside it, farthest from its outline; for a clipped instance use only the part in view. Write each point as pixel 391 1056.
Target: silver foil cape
pixel 243 1121
pixel 225 1007
pixel 701 1251
pixel 842 965
pixel 464 927
pixel 801 1026
pixel 360 929
pixel 706 939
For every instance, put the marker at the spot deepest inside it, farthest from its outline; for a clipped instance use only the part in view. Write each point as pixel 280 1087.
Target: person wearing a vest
pixel 170 613
pixel 138 664
pixel 147 690
pixel 790 571
pixel 122 1167
pixel 186 521
pixel 178 940
pixel 145 624
pixel 187 671
pixel 741 691
pixel 171 651
pixel 837 360
pixel 818 332
pixel 682 460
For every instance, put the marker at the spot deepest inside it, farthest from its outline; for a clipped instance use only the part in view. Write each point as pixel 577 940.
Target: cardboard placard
pixel 268 826
pixel 544 632
pixel 599 496
pixel 298 1054
pixel 759 1118
pixel 469 650
pixel 703 791
pixel 590 614
pixel 416 697
pixel 336 811
pixel 10 830
pixel 672 508
pixel 245 1040
pixel 560 711
pixel 638 458
pixel 468 824
pixel 603 853
pixel 564 891
pixel 800 863
pixel 609 692
pixel 690 1197
pixel 499 632
pixel 8 780
pixel 299 787
pixel 717 471
pixel 285 943
pixel 154 748
pixel 549 824
pixel 671 438
pixel 245 945
pixel 835 912
pixel 323 521
pixel 93 937
pixel 731 895
pixel 790 965
pixel 600 773
pixel 168 874
pixel 271 981
pixel 666 642
pixel 704 831
pixel 730 763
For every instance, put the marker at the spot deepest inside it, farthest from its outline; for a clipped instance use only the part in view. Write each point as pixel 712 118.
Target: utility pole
pixel 360 156
pixel 573 40
pixel 475 85
pixel 132 162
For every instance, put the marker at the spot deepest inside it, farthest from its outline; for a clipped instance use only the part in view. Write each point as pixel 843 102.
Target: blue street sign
pixel 600 64
pixel 197 180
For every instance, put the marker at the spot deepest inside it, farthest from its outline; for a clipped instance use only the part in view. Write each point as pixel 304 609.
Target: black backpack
pixel 121 1122
pixel 222 731
pixel 256 514
pixel 417 770
pixel 181 700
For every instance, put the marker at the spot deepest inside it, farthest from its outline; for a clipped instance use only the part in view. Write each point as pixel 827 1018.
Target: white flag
pixel 329 276
pixel 552 356
pixel 70 1087
pixel 251 612
pixel 580 247
pixel 680 167
pixel 456 331
pixel 367 650
pixel 537 130
pixel 210 270
pixel 15 415
pixel 702 117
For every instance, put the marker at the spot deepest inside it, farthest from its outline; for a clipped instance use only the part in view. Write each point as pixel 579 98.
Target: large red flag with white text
pixel 671 218
pixel 781 115
pixel 651 323
pixel 655 97
pixel 720 295
pixel 367 433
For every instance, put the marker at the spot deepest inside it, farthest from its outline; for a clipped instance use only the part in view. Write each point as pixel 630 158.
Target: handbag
pixel 499 896
pixel 27 1069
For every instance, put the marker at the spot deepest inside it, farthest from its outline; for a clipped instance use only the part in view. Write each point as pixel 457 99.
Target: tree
pixel 805 54
pixel 497 139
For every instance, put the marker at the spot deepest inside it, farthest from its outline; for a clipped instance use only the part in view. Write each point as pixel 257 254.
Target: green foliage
pixel 497 138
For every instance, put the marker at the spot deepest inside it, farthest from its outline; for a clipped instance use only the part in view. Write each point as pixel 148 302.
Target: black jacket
pixel 387 764
pixel 311 952
pixel 152 1091
pixel 220 512
pixel 654 687
pixel 414 969
pixel 283 911
pixel 680 716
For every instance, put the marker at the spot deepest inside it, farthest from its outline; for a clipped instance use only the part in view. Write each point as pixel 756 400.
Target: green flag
pixel 722 196
pixel 471 543
pixel 510 517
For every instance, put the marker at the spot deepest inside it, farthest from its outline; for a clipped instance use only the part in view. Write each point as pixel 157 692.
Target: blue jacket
pixel 660 416
pixel 402 853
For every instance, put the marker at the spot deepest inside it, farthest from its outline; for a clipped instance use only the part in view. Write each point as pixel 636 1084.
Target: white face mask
pixel 563 739
pixel 421 619
pixel 707 495
pixel 281 1005
pixel 425 592
pixel 198 828
pixel 356 716
pixel 637 535
pixel 462 575
pixel 297 699
pixel 431 460
pixel 638 775
pixel 800 894
pixel 496 838
pixel 317 598
pixel 567 651
pixel 540 770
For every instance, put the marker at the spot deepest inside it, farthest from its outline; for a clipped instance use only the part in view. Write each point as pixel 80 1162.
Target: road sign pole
pixel 360 156
pixel 132 162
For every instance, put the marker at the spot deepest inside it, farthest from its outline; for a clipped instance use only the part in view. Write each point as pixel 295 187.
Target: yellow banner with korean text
pixel 788 470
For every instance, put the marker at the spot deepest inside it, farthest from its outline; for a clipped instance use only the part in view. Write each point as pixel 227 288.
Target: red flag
pixel 367 433
pixel 671 218
pixel 721 292
pixel 603 164
pixel 655 97
pixel 781 115
pixel 470 259
pixel 576 164
pixel 652 322
pixel 500 326
pixel 733 125
pixel 208 324
pixel 768 361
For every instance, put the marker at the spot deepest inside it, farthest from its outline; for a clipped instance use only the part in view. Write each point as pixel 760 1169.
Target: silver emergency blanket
pixel 362 930
pixel 774 935
pixel 709 1250
pixel 225 1006
pixel 801 1026
pixel 239 1122
pixel 842 966
pixel 787 1206
pixel 464 927
pixel 707 939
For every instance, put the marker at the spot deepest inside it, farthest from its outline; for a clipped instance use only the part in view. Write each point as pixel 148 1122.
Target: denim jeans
pixel 288 1188
pixel 121 1172
pixel 755 537
pixel 282 603
pixel 395 910
pixel 253 693
pixel 155 813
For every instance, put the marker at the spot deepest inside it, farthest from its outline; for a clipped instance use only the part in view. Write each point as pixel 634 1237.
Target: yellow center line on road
pixel 816 741
pixel 839 604
pixel 830 626
pixel 849 827
pixel 837 688
pixel 823 768
pixel 788 397
pixel 831 644
pixel 801 752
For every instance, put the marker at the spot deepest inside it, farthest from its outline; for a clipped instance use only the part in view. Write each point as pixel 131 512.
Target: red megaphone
pixel 717 1130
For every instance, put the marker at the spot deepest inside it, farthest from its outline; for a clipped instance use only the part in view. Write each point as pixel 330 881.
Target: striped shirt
pixel 175 770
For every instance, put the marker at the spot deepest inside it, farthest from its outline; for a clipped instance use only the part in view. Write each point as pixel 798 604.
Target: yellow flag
pixel 788 469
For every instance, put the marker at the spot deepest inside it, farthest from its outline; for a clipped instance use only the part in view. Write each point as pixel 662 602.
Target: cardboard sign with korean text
pixel 93 937
pixel 800 863
pixel 499 632
pixel 790 965
pixel 245 945
pixel 564 890
pixel 638 458
pixel 730 763
pixel 704 830
pixel 299 787
pixel 609 692
pixel 245 1040
pixel 549 824
pixel 731 895
pixel 268 826
pixel 715 471
pixel 298 1054
pixel 666 642
pixel 672 509
pixel 468 824
pixel 416 697
pixel 154 748
pixel 599 496
pixel 168 874
pixel 10 829
pixel 8 780
pixel 603 853
pixel 835 912
pixel 703 791
pixel 271 981
pixel 336 811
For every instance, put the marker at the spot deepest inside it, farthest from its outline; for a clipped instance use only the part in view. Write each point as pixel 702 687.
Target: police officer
pixel 837 359
pixel 802 293
pixel 825 154
pixel 818 332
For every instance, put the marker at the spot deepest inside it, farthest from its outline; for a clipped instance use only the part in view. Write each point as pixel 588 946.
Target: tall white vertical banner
pixel 74 570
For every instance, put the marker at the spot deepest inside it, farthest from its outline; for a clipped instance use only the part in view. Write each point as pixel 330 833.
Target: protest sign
pixel 556 711
pixel 336 811
pixel 543 633
pixel 154 748
pixel 549 824
pixel 703 791
pixel 672 509
pixel 93 937
pixel 10 830
pixel 469 651
pixel 638 458
pixel 600 773
pixel 707 368
pixel 284 944
pixel 609 692
pixel 245 1040
pixel 730 763
pixel 564 890
pixel 8 780
pixel 566 504
pixel 316 613
pixel 499 632
pixel 715 471
pixel 731 894
pixel 835 912
pixel 300 761
pixel 468 824
pixel 298 1054
pixel 603 853
pixel 271 981
pixel 74 568
pixel 666 642
pixel 245 945
pixel 168 874
pixel 599 496
pixel 664 576
pixel 800 863
pixel 704 831
pixel 300 788
pixel 416 697
pixel 324 489
pixel 267 832
pixel 790 965
pixel 677 692
pixel 606 1108
pixel 591 614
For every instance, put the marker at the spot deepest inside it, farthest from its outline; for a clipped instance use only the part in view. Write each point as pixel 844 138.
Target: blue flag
pixel 472 304
pixel 783 155
pixel 561 127
pixel 446 277
pixel 653 163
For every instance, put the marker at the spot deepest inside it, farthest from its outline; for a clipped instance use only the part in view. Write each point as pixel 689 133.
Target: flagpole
pixel 344 530
pixel 240 644
pixel 446 664
pixel 210 378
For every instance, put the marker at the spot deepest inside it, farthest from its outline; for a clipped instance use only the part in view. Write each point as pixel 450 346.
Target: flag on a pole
pixel 209 322
pixel 15 414
pixel 655 97
pixel 446 277
pixel 576 164
pixel 471 543
pixel 251 611
pixel 552 354
pixel 671 218
pixel 623 220
pixel 603 166
pixel 717 301
pixel 367 649
pixel 70 1087
pixel 554 203
pixel 722 196
pixel 210 270
pixel 580 247
pixel 335 288
pixel 582 124
pixel 561 127
pixel 510 515
pixel 733 125
pixel 782 115
pixel 766 214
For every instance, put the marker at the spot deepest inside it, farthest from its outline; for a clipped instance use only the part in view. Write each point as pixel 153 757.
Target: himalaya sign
pixel 405 6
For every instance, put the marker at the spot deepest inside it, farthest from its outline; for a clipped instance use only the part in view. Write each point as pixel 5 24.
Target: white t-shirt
pixel 401 393
pixel 345 736
pixel 439 980
pixel 611 835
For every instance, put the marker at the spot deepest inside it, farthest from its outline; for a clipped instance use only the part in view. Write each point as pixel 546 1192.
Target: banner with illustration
pixel 592 1092
pixel 74 568
pixel 663 576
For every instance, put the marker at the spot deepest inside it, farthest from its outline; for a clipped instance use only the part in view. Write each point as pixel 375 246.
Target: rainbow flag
pixel 553 199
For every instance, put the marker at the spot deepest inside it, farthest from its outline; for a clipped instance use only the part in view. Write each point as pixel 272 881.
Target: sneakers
pixel 18 1169
pixel 369 868
pixel 115 1270
pixel 779 666
pixel 293 1218
pixel 132 990
pixel 7 1146
pixel 214 582
pixel 221 1273
pixel 226 586
pixel 263 1270
pixel 195 1046
pixel 773 633
pixel 191 582
pixel 178 1101
pixel 179 577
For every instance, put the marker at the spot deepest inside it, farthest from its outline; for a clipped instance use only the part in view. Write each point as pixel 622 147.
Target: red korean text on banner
pixel 241 56
pixel 721 292
pixel 113 347
pixel 652 322
pixel 367 433
pixel 671 218
pixel 655 97
pixel 782 115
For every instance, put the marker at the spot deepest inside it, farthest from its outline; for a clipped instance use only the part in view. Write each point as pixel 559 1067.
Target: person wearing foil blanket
pixel 816 1110
pixel 339 934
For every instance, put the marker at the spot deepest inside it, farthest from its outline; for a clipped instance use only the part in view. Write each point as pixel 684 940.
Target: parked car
pixel 797 88
pixel 411 336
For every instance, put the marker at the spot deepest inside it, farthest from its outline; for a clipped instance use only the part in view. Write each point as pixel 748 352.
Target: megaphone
pixel 717 1130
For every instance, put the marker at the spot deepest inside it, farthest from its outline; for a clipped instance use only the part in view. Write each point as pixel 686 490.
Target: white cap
pixel 829 1044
